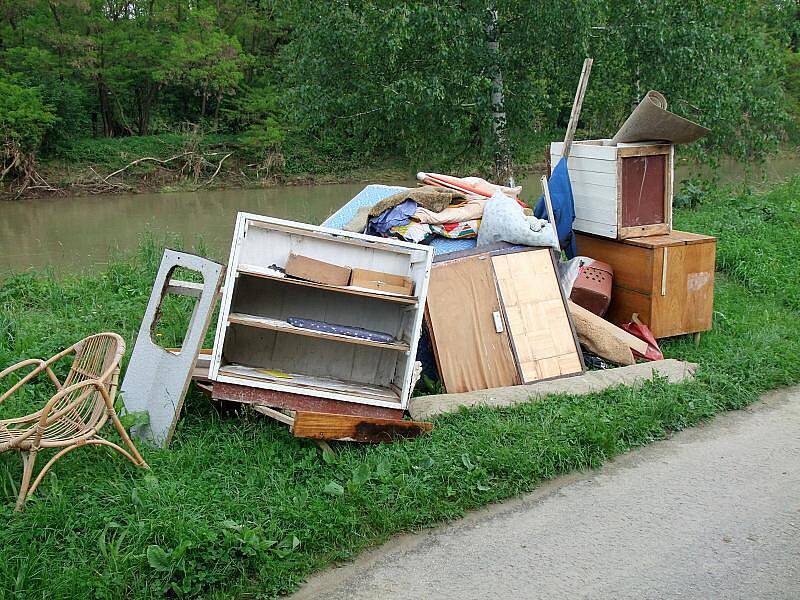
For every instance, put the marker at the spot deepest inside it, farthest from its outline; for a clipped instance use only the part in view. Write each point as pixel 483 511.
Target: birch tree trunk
pixel 502 155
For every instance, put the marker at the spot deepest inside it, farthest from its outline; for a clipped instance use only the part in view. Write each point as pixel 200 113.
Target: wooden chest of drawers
pixel 667 279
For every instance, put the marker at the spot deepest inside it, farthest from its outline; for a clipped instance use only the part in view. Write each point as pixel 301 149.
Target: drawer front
pixel 633 266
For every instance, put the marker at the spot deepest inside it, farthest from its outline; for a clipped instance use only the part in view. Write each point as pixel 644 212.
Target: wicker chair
pixel 75 414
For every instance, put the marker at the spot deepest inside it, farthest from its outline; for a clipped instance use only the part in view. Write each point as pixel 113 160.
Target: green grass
pixel 238 507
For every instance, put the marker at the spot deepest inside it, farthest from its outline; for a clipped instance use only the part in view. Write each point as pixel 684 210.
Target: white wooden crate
pixel 255 345
pixel 605 184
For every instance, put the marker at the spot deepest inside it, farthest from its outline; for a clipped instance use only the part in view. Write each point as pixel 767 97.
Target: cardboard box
pixel 317 271
pixel 383 282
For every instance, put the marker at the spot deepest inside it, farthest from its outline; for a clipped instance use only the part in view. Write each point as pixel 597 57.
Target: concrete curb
pixel 676 371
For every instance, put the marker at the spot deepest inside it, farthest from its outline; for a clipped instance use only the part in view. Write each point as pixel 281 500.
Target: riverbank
pixel 171 162
pixel 237 506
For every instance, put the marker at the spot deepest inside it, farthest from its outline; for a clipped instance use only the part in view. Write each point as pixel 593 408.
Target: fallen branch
pixel 219 166
pixel 139 160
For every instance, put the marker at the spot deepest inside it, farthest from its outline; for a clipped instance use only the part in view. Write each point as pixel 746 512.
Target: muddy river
pixel 79 233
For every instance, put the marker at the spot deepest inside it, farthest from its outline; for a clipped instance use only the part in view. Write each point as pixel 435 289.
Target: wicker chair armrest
pixel 23 363
pixel 41 365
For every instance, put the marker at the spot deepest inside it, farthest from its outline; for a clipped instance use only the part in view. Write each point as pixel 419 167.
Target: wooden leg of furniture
pixel 697 339
pixel 28 460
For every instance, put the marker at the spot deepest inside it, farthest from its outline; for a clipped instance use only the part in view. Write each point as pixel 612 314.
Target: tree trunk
pixel 105 110
pixel 502 156
pixel 216 109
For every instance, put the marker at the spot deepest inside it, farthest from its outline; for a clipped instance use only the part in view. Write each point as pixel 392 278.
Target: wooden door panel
pixel 470 353
pixel 541 333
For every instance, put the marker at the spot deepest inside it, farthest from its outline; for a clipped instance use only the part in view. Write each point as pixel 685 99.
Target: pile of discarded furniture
pixel 328 328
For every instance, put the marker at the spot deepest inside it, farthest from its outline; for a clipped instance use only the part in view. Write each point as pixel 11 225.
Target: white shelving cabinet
pixel 256 346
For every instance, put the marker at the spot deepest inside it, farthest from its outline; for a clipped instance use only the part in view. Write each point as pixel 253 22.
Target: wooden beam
pixel 576 106
pixel 274 414
pixel 353 428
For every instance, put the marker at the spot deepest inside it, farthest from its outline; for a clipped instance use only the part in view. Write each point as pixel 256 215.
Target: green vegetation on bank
pixel 237 506
pixel 296 88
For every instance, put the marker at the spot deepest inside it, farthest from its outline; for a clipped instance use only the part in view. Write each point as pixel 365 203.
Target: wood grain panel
pixel 541 333
pixel 688 300
pixel 633 266
pixel 351 428
pixel 470 353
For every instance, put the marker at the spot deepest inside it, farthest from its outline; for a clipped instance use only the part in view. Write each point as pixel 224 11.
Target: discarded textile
pixel 458 231
pixel 563 207
pixel 392 217
pixel 433 198
pixel 358 224
pixel 468 211
pixel 505 221
pixel 470 185
pixel 569 270
pixel 651 120
pixel 356 332
pixel 414 232
pixel 369 196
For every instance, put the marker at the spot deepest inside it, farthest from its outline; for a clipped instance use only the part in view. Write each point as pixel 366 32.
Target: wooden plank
pixel 673 238
pixel 598 208
pixel 264 273
pixel 335 235
pixel 593 149
pixel 591 165
pixel 298 401
pixel 351 428
pixel 471 354
pixel 624 233
pixel 285 327
pixel 602 229
pixel 273 414
pixel 632 341
pixel 539 325
pixel 577 104
pixel 627 151
pixel 590 178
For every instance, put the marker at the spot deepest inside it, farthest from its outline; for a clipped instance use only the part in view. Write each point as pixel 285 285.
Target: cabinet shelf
pixel 255 271
pixel 285 327
pixel 304 384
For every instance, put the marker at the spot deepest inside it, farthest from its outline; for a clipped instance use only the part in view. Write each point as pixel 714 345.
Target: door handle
pixel 498 321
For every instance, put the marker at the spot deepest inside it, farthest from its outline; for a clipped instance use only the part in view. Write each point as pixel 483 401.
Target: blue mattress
pixel 370 196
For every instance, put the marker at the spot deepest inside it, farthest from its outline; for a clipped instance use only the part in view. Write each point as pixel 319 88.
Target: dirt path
pixel 712 513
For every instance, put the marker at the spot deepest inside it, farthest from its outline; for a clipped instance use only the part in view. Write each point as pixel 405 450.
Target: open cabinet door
pixel 542 336
pixel 467 329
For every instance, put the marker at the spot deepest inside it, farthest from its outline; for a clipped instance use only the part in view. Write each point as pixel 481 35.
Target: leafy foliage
pixel 361 80
pixel 24 117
